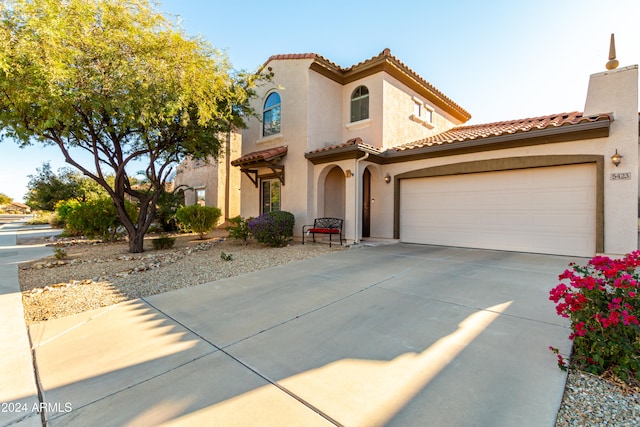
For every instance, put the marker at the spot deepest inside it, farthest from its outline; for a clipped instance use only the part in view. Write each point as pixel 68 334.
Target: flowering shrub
pixel 273 228
pixel 602 300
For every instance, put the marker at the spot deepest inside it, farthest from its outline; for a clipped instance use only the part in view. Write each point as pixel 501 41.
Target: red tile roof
pixel 478 133
pixel 261 156
pixel 352 142
pixel 481 131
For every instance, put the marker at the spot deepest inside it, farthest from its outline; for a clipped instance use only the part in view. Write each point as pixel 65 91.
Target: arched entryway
pixel 334 193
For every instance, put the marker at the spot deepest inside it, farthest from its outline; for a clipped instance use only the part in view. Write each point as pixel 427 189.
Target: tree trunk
pixel 136 242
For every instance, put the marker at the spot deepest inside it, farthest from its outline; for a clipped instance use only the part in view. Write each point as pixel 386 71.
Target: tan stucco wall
pixel 616 91
pixel 291 81
pixel 211 176
pixel 326 107
pixel 370 130
pixel 398 127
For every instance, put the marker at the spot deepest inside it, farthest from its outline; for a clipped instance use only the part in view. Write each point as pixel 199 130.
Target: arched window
pixel 360 104
pixel 271 115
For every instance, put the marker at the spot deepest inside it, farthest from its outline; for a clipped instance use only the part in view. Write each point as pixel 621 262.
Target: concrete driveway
pixel 391 335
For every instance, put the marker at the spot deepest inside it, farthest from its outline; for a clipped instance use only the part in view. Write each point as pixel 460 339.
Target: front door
pixel 366 203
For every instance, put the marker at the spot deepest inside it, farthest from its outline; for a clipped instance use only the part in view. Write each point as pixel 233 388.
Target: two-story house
pixel 380 147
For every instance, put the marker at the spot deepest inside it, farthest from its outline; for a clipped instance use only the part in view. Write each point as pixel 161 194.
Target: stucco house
pixel 212 181
pixel 380 147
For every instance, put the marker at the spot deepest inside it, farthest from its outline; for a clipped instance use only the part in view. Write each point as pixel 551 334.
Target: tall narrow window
pixel 271 115
pixel 270 195
pixel 360 104
pixel 201 196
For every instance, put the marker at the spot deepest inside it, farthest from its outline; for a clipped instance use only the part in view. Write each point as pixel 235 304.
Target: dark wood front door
pixel 366 203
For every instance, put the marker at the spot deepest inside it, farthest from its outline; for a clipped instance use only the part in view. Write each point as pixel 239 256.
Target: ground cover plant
pixel 602 300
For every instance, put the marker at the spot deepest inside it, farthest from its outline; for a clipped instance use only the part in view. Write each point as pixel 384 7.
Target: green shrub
pixel 226 257
pixel 64 208
pixel 240 229
pixel 98 219
pixel 60 253
pixel 164 242
pixel 273 228
pixel 199 219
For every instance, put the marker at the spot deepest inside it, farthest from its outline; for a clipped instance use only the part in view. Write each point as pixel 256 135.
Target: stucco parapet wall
pixel 617 70
pixel 568 132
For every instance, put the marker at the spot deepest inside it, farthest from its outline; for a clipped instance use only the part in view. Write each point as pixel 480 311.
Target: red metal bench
pixel 328 226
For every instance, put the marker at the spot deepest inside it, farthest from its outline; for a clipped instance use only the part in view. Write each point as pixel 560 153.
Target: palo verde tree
pixel 118 80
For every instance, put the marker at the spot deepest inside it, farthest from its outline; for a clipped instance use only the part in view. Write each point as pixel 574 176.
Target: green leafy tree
pixel 47 188
pixel 120 81
pixel 4 199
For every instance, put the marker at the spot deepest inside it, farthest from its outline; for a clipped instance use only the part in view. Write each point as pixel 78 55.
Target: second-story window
pixel 360 104
pixel 271 115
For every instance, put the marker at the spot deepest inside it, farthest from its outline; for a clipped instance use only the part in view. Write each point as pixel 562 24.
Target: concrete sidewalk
pixel 391 335
pixel 18 391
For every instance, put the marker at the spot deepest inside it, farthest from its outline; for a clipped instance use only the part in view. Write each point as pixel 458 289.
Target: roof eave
pixel 588 130
pixel 343 153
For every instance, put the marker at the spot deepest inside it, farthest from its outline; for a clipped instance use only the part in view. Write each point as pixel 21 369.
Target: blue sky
pixel 498 59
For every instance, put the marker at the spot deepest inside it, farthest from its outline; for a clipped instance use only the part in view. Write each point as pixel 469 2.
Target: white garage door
pixel 544 210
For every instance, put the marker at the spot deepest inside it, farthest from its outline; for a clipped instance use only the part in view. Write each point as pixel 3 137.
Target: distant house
pixel 380 147
pixel 18 208
pixel 213 182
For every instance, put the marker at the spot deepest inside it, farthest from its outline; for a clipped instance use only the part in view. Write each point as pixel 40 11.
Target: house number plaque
pixel 619 176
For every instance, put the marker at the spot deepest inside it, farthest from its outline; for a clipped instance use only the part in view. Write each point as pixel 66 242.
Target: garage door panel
pixel 546 210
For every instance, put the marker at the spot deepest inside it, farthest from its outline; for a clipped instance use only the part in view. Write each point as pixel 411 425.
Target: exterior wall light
pixel 387 178
pixel 616 158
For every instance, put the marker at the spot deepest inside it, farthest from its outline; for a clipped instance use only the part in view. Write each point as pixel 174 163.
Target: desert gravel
pixel 95 275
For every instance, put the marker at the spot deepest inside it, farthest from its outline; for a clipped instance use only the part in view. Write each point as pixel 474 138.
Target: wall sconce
pixel 347 173
pixel 387 178
pixel 616 158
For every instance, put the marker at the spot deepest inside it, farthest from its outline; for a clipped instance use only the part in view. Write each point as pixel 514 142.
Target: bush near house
pixel 273 228
pixel 199 219
pixel 602 299
pixel 96 219
pixel 164 242
pixel 239 229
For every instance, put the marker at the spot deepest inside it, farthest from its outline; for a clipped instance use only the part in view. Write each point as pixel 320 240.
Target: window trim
pixel 261 195
pixel 425 118
pixel 197 190
pixel 353 98
pixel 265 110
